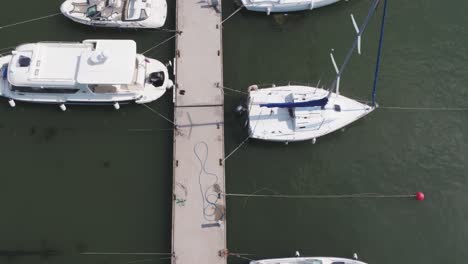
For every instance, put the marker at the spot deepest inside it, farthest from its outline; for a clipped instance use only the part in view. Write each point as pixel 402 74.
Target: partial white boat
pixel 283 6
pixel 298 113
pixel 117 13
pixel 92 72
pixel 308 260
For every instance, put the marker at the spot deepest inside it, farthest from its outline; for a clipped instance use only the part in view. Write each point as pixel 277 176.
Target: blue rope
pixel 379 53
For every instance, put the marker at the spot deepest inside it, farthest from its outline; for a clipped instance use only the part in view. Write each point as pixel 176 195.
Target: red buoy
pixel 420 196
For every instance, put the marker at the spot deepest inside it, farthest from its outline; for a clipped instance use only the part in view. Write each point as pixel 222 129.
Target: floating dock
pixel 198 215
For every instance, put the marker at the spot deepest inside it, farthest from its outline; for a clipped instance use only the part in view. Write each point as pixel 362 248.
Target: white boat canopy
pixel 111 62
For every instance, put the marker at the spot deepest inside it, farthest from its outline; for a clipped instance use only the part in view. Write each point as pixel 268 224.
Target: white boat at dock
pixel 117 13
pixel 283 6
pixel 308 260
pixel 297 113
pixel 94 72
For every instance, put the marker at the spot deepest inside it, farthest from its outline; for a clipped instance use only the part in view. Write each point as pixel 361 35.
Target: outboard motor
pixel 157 78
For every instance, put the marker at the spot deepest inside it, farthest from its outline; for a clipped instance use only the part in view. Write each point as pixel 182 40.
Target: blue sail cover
pixel 320 102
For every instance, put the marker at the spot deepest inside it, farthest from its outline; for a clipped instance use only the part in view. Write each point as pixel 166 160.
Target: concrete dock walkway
pixel 198 215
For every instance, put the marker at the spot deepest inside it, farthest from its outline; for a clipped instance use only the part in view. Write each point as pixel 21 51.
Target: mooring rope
pixel 233 13
pixel 125 253
pixel 238 255
pixel 161 43
pixel 7 48
pixel 230 89
pixel 324 196
pixel 149 129
pixel 30 20
pixel 237 148
pixel 159 114
pixel 425 108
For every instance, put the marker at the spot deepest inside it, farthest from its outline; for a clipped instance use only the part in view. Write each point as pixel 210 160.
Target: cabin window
pixel 45 90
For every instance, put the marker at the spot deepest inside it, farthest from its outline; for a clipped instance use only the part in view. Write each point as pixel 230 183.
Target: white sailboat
pixel 308 260
pixel 297 113
pixel 283 6
pixel 99 72
pixel 117 13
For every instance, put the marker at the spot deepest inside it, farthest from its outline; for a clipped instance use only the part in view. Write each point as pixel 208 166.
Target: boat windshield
pixel 92 11
pixel 135 10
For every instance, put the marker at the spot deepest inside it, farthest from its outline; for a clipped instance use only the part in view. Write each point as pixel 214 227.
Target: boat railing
pixel 285 83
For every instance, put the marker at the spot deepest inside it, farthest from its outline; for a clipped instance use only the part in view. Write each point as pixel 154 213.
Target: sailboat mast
pixel 355 44
pixel 379 53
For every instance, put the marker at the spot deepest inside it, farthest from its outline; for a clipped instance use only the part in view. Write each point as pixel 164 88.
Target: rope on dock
pixel 29 20
pixel 161 43
pixel 233 13
pixel 210 198
pixel 159 114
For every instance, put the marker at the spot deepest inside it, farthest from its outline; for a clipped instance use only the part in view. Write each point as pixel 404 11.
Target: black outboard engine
pixel 157 78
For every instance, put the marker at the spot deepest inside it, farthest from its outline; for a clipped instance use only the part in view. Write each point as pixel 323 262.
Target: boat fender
pixel 170 84
pixel 240 110
pixel 116 106
pixel 5 72
pixel 268 10
pixel 311 4
pixel 12 103
pixel 63 107
pixel 253 88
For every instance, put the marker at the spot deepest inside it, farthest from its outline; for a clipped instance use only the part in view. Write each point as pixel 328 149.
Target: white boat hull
pixel 283 6
pixel 300 123
pixel 156 20
pixel 148 94
pixel 307 260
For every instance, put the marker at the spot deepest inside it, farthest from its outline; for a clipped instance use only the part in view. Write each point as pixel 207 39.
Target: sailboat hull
pixel 274 6
pixel 307 260
pixel 299 123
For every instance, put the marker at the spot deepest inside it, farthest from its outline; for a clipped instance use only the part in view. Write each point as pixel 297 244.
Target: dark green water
pixel 86 180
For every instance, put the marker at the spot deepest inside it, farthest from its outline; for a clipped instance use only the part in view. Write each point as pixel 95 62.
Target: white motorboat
pixel 117 13
pixel 98 72
pixel 283 6
pixel 297 112
pixel 308 260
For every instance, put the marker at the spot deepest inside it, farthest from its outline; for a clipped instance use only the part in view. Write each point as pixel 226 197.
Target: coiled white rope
pixel 30 20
